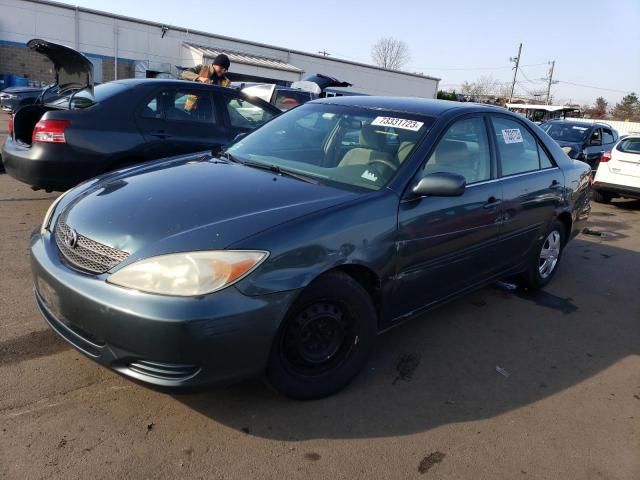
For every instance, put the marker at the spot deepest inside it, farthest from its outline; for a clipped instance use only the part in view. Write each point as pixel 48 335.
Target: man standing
pixel 213 74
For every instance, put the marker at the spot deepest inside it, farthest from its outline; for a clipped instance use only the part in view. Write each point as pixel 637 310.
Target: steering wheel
pixel 384 162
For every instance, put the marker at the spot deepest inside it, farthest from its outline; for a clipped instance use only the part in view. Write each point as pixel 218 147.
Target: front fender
pixel 361 233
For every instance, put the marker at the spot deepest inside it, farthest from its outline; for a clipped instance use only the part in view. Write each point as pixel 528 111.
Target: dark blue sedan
pixel 287 254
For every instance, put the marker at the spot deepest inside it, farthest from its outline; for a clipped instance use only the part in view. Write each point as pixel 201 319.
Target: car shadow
pixel 480 356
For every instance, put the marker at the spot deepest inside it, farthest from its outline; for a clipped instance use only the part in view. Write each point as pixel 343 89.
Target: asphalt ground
pixel 429 404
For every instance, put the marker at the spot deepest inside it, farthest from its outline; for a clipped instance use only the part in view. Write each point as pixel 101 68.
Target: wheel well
pixel 565 219
pixel 367 279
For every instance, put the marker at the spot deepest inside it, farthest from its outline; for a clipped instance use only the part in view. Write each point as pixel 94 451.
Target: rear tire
pixel 601 197
pixel 545 258
pixel 324 340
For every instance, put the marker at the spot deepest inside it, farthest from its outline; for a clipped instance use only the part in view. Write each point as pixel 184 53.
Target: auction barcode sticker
pixel 402 123
pixel 512 135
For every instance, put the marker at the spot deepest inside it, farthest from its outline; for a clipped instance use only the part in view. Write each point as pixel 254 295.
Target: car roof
pixel 131 82
pixel 581 123
pixel 421 106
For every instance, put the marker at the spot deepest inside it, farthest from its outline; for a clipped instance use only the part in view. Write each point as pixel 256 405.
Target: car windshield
pixel 566 132
pixel 335 144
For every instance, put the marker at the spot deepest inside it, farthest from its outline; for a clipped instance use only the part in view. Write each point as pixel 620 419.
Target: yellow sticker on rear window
pixel 402 123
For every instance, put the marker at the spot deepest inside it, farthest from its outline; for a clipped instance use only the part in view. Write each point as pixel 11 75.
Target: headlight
pixel 189 273
pixel 50 212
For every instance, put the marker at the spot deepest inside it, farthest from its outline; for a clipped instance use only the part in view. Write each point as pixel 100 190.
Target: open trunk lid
pixel 65 59
pixel 317 82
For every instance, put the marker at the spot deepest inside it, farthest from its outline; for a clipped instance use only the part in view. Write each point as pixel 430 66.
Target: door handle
pixel 555 184
pixel 162 135
pixel 492 202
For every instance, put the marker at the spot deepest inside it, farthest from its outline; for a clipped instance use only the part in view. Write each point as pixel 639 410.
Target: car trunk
pixel 65 60
pixel 25 120
pixel 626 163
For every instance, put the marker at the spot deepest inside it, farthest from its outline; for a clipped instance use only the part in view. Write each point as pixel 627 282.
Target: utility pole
pixel 515 73
pixel 324 53
pixel 553 64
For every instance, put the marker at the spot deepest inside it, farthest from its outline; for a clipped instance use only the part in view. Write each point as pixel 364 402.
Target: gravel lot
pixel 430 403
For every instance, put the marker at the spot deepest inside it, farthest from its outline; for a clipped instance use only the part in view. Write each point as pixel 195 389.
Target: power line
pixel 591 86
pixel 527 78
pixel 504 67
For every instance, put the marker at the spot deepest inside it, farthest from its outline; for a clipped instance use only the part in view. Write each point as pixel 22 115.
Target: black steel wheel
pixel 324 340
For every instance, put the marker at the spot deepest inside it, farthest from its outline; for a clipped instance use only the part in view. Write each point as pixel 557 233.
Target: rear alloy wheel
pixel 324 340
pixel 545 258
pixel 601 197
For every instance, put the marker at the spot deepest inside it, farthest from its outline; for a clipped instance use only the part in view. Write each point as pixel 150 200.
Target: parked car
pixel 290 251
pixel 286 98
pixel 618 173
pixel 12 98
pixel 95 130
pixel 581 140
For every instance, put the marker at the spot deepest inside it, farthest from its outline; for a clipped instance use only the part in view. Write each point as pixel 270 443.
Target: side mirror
pixel 440 184
pixel 595 142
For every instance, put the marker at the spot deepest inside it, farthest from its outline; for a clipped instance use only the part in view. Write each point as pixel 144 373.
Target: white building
pixel 126 47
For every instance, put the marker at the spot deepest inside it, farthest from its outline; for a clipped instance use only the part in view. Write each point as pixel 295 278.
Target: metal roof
pixel 245 58
pixel 223 37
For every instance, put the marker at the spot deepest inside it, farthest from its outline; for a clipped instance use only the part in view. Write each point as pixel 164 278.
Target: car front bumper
pixel 165 341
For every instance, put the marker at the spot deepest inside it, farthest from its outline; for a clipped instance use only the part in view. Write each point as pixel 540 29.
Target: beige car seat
pixel 370 149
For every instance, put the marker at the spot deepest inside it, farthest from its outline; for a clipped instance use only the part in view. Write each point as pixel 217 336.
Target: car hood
pixel 191 205
pixel 64 58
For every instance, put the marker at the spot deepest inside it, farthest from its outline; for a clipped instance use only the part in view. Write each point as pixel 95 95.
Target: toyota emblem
pixel 71 238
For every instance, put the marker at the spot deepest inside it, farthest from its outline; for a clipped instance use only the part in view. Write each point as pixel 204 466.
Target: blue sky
pixel 594 43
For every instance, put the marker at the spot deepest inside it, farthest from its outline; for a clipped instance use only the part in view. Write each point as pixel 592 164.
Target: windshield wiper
pixel 231 158
pixel 280 171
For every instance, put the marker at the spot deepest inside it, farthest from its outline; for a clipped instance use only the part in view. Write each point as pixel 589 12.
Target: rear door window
pixel 181 106
pixel 518 149
pixel 629 145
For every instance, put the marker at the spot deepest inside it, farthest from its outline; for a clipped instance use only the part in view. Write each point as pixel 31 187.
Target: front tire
pixel 545 258
pixel 324 340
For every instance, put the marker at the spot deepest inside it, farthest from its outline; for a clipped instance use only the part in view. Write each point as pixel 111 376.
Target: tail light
pixel 11 125
pixel 605 157
pixel 50 131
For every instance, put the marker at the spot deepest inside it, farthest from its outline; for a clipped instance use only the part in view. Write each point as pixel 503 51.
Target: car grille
pixel 87 254
pixel 164 371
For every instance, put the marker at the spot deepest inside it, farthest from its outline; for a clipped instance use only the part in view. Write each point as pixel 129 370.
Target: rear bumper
pixel 616 189
pixel 165 341
pixel 48 166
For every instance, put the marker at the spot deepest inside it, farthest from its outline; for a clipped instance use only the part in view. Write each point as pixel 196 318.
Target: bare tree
pixel 390 53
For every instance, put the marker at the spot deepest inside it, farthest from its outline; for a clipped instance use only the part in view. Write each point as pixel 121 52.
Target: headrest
pixel 369 138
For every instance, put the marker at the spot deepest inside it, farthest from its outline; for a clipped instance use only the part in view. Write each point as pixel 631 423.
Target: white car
pixel 618 173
